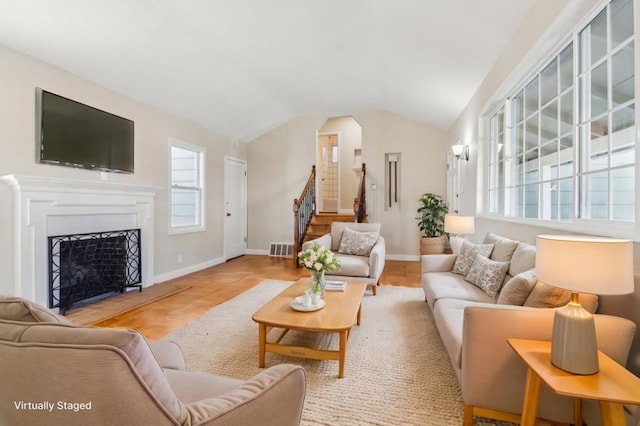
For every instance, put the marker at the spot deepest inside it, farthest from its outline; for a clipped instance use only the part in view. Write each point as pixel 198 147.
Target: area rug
pixel 397 372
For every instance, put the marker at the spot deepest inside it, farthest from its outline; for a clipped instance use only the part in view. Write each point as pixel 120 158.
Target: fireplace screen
pixel 88 267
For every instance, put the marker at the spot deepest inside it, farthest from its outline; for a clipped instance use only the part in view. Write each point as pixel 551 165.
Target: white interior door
pixel 235 204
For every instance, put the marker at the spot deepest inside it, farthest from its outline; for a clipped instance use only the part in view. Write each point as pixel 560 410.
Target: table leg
pixel 612 413
pixel 577 412
pixel 262 343
pixel 531 396
pixel 342 354
pixel 359 315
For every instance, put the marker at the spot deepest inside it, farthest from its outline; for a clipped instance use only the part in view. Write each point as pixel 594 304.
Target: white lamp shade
pixel 459 225
pixel 585 264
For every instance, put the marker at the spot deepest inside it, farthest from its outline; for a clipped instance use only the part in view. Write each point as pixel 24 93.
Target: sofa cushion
pixel 546 296
pixel 523 259
pixel 518 288
pixel 487 274
pixel 447 285
pixel 352 266
pixel 503 248
pixel 357 243
pixel 468 255
pixel 18 309
pixel 191 387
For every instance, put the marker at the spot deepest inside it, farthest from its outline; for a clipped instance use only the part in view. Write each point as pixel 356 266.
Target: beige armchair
pixel 367 268
pixel 57 373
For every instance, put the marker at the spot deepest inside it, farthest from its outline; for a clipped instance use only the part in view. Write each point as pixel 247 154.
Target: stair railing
pixel 303 210
pixel 360 202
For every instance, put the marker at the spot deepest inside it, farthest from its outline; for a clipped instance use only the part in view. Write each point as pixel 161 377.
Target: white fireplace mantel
pixel 46 206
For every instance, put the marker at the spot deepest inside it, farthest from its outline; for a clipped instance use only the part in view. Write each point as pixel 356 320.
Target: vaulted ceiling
pixel 243 67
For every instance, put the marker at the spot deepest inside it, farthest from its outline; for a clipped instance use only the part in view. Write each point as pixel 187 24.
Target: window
pixel 187 187
pixel 563 146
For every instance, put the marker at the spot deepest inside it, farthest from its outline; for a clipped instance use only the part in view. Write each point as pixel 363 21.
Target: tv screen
pixel 77 135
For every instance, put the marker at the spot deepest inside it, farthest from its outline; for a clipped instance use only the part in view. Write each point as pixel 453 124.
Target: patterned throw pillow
pixel 357 243
pixel 468 254
pixel 487 274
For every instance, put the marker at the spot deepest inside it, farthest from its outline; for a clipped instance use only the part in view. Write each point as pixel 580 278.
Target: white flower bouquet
pixel 318 259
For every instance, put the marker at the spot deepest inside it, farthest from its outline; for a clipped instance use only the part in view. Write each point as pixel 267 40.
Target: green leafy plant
pixel 432 210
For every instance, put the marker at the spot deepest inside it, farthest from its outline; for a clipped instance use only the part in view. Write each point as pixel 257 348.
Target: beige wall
pixel 280 162
pixel 546 25
pixel 22 74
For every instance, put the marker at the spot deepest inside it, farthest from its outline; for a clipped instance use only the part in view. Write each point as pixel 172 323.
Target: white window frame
pixel 535 62
pixel 200 188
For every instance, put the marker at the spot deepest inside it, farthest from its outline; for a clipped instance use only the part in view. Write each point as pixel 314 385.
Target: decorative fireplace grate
pixel 83 267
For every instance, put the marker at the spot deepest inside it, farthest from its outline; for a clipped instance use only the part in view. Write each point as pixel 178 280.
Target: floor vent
pixel 281 249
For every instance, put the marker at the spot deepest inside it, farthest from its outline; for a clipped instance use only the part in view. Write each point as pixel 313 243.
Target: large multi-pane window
pixel 187 179
pixel 496 162
pixel 567 146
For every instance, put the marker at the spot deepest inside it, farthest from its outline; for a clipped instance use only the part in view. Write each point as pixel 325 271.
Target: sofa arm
pixel 437 262
pixel 324 241
pixel 274 396
pixel 492 375
pixel 377 258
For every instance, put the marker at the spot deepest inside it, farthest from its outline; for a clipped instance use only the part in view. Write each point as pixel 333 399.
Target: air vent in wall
pixel 281 249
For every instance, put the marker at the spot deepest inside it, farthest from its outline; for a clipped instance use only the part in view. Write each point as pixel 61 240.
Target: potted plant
pixel 431 223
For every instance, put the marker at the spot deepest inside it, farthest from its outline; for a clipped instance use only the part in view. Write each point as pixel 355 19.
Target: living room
pixel 279 155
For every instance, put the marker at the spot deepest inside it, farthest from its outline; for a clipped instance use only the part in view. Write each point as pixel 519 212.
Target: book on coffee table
pixel 335 285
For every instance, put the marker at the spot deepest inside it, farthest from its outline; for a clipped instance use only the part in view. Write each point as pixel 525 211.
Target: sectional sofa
pixel 487 293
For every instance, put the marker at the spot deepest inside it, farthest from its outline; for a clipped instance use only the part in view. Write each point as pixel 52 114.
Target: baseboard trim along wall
pixel 187 270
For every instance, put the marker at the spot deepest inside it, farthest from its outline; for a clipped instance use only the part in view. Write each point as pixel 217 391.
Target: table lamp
pixel 458 225
pixel 581 264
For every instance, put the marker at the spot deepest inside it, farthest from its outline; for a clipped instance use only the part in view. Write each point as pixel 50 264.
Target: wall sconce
pixel 461 152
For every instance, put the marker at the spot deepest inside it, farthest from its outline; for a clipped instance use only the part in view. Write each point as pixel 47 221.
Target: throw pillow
pixel 468 254
pixel 487 274
pixel 546 296
pixel 357 243
pixel 518 288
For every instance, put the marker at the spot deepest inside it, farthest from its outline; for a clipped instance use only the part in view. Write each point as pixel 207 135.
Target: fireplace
pixel 48 206
pixel 84 268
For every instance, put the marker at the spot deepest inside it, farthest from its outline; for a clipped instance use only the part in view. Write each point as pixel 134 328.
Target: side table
pixel 612 386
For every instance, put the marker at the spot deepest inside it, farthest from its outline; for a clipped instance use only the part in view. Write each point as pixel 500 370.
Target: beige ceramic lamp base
pixel 574 346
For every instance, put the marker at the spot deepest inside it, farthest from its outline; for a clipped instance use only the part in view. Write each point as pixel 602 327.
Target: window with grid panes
pixel 569 152
pixel 187 179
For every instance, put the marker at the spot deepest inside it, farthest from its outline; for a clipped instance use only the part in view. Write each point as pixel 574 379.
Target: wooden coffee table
pixel 341 311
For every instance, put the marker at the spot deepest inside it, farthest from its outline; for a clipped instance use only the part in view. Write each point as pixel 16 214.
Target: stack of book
pixel 335 285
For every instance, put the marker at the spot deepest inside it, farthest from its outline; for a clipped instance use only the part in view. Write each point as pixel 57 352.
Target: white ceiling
pixel 243 67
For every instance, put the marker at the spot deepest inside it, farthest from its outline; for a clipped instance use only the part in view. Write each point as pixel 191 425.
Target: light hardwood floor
pixel 165 307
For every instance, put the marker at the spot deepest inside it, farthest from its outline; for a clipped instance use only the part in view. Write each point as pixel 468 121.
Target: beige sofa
pixel 366 268
pixel 56 373
pixel 474 329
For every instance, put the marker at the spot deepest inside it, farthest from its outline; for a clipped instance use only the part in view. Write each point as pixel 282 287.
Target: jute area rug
pixel 397 372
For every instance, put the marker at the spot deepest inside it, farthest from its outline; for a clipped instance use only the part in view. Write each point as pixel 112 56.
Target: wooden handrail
pixel 360 202
pixel 303 210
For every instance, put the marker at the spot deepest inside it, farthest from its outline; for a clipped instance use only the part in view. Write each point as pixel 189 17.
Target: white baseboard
pixel 258 252
pixel 187 270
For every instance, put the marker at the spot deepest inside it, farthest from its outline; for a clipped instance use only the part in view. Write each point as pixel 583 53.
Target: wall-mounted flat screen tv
pixel 72 134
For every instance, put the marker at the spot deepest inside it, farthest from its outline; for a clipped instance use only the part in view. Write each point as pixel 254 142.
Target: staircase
pixel 321 223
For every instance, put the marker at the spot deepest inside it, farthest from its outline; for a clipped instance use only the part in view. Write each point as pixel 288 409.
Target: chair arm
pixel 274 396
pixel 168 354
pixel 324 241
pixel 437 262
pixel 377 258
pixel 493 376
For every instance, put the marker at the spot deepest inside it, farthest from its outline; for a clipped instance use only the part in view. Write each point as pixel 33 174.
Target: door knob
pixel 228 214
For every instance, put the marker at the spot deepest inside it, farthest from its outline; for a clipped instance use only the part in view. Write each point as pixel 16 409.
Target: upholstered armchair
pixel 360 250
pixel 57 373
